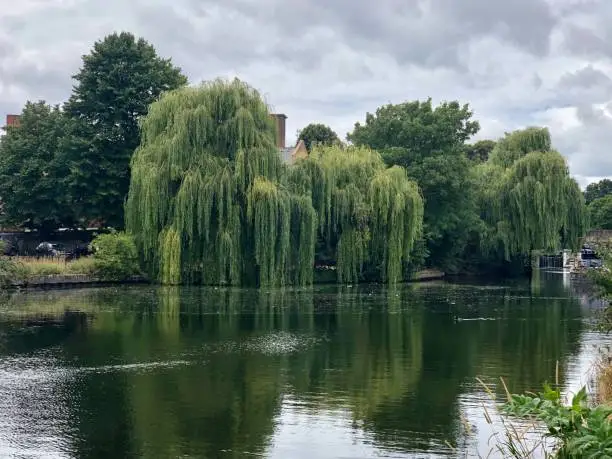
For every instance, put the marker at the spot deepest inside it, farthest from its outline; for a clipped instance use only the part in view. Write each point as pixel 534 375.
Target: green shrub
pixel 10 270
pixel 115 256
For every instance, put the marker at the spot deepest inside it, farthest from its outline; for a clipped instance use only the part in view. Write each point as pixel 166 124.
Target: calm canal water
pixel 322 373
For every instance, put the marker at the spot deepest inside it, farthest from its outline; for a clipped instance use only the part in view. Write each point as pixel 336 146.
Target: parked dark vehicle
pixel 77 252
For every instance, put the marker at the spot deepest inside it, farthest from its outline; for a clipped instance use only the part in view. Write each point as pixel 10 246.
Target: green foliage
pixel 318 134
pixel 528 199
pixel 206 203
pixel 118 81
pixel 368 214
pixel 517 144
pixel 597 190
pixel 479 152
pixel 416 127
pixel 600 213
pixel 115 256
pixel 10 272
pixel 32 170
pixel 582 430
pixel 211 202
pixel 429 143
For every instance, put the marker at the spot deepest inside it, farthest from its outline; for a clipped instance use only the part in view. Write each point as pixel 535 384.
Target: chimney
pixel 279 120
pixel 12 120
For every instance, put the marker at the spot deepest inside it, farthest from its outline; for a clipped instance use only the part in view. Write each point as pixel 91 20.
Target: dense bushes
pixel 115 256
pixel 10 272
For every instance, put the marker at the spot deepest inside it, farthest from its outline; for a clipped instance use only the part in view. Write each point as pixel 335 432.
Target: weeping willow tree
pixel 367 213
pixel 206 203
pixel 528 199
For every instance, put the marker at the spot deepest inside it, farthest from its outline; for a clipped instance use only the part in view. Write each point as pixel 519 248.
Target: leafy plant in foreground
pixel 581 430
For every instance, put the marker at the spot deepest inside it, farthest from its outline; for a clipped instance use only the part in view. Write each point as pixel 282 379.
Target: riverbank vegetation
pixel 211 202
pixel 114 259
pixel 581 426
pixel 209 199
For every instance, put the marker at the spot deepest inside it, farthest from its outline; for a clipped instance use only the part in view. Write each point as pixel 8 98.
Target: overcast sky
pixel 517 63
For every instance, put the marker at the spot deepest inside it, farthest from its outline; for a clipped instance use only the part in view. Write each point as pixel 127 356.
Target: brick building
pixel 12 120
pixel 288 154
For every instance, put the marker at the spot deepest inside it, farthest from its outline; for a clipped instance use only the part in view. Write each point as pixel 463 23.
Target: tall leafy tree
pixel 529 201
pixel 429 142
pixel 318 134
pixel 600 213
pixel 118 81
pixel 205 201
pixel 32 172
pixel 210 200
pixel 597 190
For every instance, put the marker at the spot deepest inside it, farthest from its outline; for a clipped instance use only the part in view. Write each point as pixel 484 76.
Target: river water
pixel 328 372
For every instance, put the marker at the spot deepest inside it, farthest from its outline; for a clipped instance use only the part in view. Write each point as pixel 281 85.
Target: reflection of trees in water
pixel 398 359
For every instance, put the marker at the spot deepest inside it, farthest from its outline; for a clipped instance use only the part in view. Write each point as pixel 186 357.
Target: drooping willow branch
pixel 528 197
pixel 374 213
pixel 211 202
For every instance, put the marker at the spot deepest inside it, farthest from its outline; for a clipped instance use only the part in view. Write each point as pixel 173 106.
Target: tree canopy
pixel 529 201
pixel 368 214
pixel 479 151
pixel 429 143
pixel 32 172
pixel 600 213
pixel 210 200
pixel 318 134
pixel 597 190
pixel 118 81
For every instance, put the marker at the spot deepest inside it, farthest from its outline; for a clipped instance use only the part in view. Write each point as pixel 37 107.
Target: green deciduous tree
pixel 211 201
pixel 32 172
pixel 529 201
pixel 479 151
pixel 369 215
pixel 318 134
pixel 206 203
pixel 597 190
pixel 600 213
pixel 429 143
pixel 118 81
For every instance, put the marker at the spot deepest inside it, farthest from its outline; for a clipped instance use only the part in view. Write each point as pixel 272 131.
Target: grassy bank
pixel 33 267
pixel 115 259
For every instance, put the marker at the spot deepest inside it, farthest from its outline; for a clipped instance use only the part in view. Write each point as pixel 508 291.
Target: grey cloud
pixel 588 145
pixel 586 77
pixel 583 87
pixel 588 35
pixel 585 42
pixel 580 88
pixel 537 81
pixel 332 61
pixel 431 33
pixel 526 23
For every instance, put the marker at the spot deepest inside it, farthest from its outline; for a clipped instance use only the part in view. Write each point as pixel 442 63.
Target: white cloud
pixel 517 63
